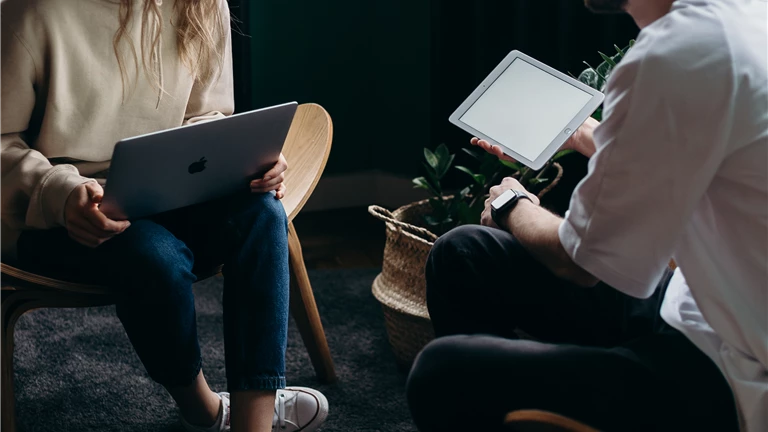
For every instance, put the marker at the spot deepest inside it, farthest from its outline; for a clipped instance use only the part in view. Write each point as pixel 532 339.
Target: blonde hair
pixel 199 28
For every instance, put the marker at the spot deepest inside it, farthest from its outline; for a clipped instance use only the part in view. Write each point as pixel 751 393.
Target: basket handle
pixel 385 215
pixel 554 182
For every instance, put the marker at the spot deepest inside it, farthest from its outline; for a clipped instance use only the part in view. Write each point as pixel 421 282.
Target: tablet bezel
pixel 567 130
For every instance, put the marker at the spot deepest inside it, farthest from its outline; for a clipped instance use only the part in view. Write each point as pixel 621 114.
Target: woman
pixel 80 75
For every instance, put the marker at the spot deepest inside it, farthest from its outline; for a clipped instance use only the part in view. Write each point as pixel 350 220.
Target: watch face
pixel 503 199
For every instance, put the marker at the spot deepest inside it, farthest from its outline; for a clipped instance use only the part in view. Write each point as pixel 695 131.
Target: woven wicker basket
pixel 401 287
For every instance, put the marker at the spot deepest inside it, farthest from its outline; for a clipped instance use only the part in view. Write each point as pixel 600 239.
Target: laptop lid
pixel 191 164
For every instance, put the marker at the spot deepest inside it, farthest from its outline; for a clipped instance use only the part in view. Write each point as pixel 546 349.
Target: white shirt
pixel 681 170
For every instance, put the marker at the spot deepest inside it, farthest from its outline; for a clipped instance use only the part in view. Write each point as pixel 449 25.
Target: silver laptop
pixel 192 164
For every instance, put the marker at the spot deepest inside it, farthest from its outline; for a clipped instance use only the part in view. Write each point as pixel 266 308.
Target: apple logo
pixel 196 167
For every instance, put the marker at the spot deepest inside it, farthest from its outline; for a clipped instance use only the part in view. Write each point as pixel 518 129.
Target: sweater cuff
pixel 56 190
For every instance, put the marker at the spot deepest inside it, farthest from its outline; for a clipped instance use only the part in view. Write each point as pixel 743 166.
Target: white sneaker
pixel 297 409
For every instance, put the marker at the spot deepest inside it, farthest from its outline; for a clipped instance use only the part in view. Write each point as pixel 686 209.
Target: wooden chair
pixel 543 421
pixel 306 148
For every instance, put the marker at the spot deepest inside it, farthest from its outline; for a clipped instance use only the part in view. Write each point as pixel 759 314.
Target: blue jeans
pixel 152 267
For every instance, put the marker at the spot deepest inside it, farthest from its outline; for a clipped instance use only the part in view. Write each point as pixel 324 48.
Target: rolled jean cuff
pixel 257 383
pixel 180 379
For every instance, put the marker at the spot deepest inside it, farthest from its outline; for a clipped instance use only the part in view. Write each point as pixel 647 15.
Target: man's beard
pixel 606 6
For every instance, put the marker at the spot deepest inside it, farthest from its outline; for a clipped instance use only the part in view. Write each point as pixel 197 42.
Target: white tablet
pixel 527 108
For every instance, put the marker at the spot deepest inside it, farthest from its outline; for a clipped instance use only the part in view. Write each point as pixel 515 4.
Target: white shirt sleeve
pixel 658 149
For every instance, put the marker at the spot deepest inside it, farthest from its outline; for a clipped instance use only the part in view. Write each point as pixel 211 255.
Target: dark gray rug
pixel 76 370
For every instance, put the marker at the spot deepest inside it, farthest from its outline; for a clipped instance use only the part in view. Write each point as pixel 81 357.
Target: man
pixel 678 169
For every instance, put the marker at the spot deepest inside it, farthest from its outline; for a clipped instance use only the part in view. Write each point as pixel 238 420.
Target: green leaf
pixel 431 158
pixel 619 50
pixel 439 210
pixel 631 43
pixel 465 169
pixel 598 114
pixel 472 153
pixel 604 70
pixel 444 165
pixel 479 178
pixel 442 151
pixel 534 181
pixel 589 77
pixel 433 180
pixel 470 215
pixel 562 153
pixel 465 213
pixel 596 71
pixel 489 164
pixel 422 183
pixel 432 221
pixel 509 164
pixel 607 59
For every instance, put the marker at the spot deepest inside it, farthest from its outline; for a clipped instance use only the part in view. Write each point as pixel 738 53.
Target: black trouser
pixel 600 357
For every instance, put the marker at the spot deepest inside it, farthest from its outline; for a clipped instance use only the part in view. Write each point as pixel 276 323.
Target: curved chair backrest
pixel 306 149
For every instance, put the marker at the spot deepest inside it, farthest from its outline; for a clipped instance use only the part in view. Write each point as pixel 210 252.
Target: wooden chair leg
pixel 304 311
pixel 14 304
pixel 543 421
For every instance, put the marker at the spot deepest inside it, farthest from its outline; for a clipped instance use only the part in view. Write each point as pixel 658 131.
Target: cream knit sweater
pixel 62 101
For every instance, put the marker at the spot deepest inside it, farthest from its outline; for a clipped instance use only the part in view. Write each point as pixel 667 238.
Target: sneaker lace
pixel 281 410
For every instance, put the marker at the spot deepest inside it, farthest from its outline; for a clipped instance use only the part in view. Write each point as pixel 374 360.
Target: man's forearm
pixel 537 230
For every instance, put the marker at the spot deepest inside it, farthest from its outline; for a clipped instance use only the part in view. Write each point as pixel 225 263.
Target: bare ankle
pixel 198 404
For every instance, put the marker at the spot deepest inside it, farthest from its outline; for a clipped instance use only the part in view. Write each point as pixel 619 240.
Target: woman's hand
pixel 85 223
pixel 272 180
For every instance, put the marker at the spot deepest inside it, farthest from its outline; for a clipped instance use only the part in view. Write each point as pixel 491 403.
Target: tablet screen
pixel 525 108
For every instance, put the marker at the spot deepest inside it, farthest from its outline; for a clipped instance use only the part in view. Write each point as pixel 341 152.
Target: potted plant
pixel 412 229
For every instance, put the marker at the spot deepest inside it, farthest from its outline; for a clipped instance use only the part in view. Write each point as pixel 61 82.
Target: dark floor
pixel 70 358
pixel 343 238
pixel 76 370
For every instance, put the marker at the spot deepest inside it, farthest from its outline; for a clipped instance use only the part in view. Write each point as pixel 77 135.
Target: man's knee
pixel 454 250
pixel 435 363
pixel 437 374
pixel 457 259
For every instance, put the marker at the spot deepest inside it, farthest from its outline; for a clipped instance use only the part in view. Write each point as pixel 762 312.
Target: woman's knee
pixel 261 208
pixel 151 256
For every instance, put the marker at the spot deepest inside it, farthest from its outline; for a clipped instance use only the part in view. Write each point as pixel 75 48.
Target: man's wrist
pixel 508 220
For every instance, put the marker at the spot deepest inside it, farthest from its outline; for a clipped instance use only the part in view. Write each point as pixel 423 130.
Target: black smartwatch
pixel 501 206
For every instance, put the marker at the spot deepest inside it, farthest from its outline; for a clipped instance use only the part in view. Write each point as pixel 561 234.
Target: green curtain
pixel 391 72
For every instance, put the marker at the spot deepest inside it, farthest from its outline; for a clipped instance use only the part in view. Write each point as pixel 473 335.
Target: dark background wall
pixel 391 72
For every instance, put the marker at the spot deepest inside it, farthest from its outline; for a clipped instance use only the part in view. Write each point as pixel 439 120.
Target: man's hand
pixel 492 149
pixel 84 221
pixel 272 180
pixel 506 184
pixel 581 141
